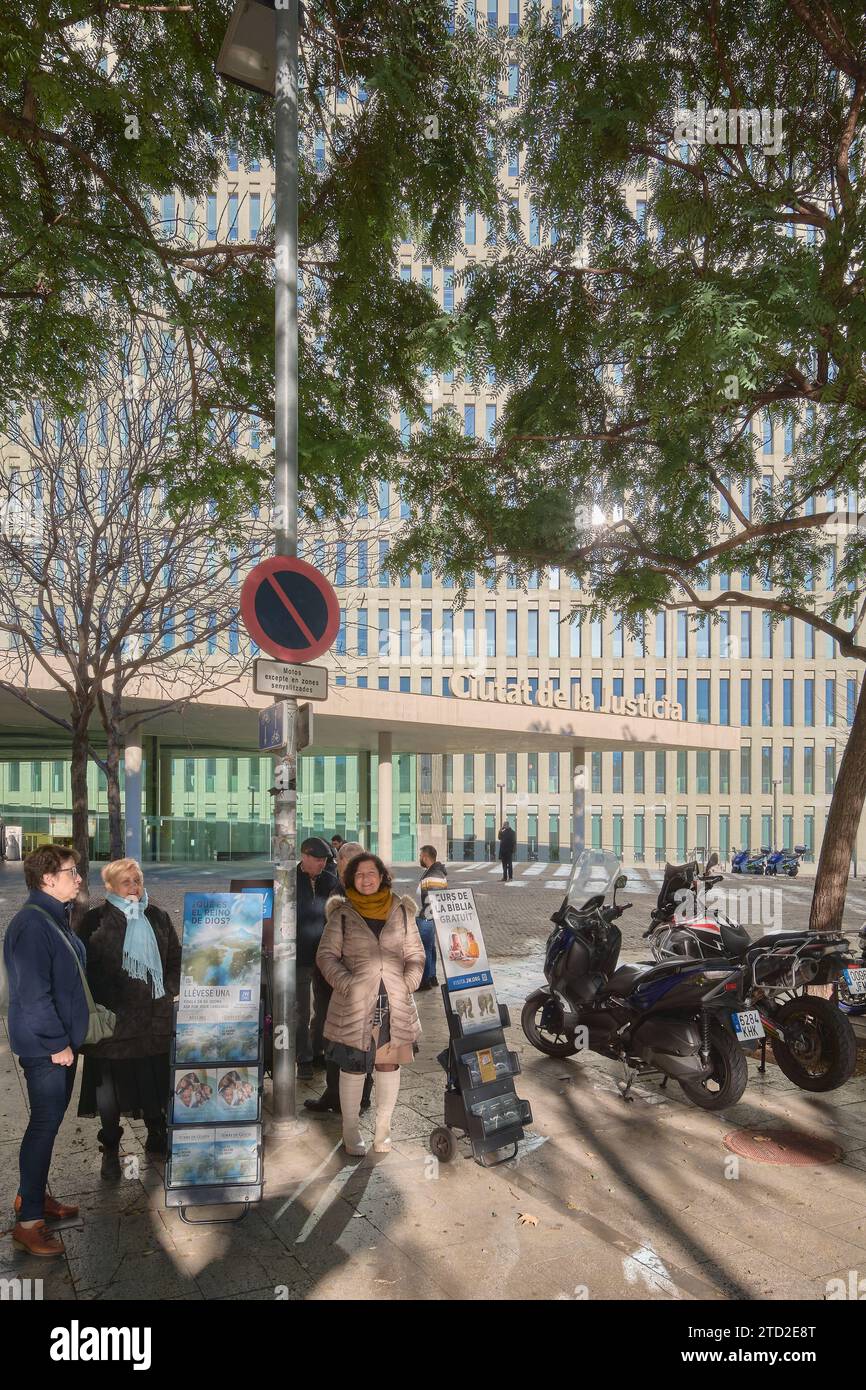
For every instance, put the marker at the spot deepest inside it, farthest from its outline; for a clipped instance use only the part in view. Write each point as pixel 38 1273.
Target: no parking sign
pixel 290 609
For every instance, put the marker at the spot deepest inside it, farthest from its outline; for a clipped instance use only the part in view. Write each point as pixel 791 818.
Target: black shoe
pixel 305 1071
pixel 434 983
pixel 424 986
pixel 110 1169
pixel 365 1104
pixel 325 1105
pixel 320 1062
pixel 157 1139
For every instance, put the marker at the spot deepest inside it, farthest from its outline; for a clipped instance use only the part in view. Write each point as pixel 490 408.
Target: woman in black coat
pixel 133 967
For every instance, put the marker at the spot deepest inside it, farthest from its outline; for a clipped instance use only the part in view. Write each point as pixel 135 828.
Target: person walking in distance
pixel 433 877
pixel 507 846
pixel 48 1022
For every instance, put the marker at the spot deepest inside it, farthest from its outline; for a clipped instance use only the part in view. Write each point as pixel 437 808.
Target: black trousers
pixel 507 867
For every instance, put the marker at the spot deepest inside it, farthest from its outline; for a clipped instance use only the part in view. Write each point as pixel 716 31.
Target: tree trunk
pixel 112 773
pixel 80 806
pixel 840 833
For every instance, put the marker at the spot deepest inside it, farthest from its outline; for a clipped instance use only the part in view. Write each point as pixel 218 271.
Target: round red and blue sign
pixel 290 609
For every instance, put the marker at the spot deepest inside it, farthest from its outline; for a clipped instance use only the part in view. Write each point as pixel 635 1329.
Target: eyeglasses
pixel 70 869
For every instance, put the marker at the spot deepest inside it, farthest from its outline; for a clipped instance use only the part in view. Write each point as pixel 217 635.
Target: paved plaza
pixel 604 1200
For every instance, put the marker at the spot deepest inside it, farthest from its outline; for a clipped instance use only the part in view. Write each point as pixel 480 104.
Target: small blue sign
pixel 272 726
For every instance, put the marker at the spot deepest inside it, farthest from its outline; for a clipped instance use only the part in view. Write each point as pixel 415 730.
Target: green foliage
pixel 86 156
pixel 637 357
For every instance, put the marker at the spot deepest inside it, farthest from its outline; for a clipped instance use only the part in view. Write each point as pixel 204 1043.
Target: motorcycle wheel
pixel 792 873
pixel 552 1044
pixel 729 1076
pixel 822 1050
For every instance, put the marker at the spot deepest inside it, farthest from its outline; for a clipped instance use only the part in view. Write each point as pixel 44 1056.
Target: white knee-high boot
pixel 387 1090
pixel 351 1091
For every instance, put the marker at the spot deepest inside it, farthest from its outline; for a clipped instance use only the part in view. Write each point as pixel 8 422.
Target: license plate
pixel 748 1025
pixel 855 980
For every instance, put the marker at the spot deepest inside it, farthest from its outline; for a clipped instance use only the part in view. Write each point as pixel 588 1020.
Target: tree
pixel 106 587
pixel 114 130
pixel 647 338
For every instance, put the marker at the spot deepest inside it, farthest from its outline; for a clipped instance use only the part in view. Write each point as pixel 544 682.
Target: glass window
pixel 724 700
pixel 830 701
pixel 829 769
pixel 682 771
pixel 490 772
pixel 490 629
pixel 661 779
pixel 767 702
pixel 787 770
pixel 468 772
pixel 683 695
pixel 746 770
pixel 703 699
pixel 532 773
pixel 808 770
pixel 595 765
pixel 532 632
pixel 639 771
pixel 766 769
pixel 787 701
pixel 725 772
pixel 616 779
pixel 553 634
pixel 511 772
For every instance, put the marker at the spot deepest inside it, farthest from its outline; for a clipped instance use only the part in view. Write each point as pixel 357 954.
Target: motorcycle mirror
pixel 712 861
pixel 621 881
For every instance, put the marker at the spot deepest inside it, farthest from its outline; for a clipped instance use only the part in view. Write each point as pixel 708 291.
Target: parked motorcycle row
pixel 763 861
pixel 709 990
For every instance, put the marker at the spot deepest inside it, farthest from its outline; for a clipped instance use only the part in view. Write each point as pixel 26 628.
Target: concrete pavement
pixel 604 1200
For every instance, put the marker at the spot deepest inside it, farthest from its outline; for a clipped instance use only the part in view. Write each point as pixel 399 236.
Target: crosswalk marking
pixel 563 871
pixel 534 869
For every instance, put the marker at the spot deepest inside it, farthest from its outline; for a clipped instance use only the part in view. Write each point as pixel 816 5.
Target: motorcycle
pixel 852 986
pixel 746 863
pixel 813 1042
pixel 673 1019
pixel 781 861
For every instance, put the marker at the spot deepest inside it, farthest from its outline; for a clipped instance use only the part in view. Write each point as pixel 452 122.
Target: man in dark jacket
pixel 316 882
pixel 433 876
pixel 507 846
pixel 48 1021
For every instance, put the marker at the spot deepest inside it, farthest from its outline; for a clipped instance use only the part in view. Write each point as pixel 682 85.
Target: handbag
pixel 101 1021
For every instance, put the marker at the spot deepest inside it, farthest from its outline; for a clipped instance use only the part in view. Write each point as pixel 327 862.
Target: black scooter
pixel 672 1019
pixel 813 1042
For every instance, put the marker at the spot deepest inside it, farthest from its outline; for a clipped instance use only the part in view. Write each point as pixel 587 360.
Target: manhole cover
pixel 787 1146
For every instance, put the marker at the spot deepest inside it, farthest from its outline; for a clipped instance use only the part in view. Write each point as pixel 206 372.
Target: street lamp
pixel 775 844
pixel 260 52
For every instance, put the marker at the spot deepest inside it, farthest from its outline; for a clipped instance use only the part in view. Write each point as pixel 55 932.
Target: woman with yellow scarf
pixel 372 956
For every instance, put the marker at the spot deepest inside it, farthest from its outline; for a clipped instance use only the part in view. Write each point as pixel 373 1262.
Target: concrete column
pixel 365 797
pixel 386 810
pixel 132 799
pixel 578 801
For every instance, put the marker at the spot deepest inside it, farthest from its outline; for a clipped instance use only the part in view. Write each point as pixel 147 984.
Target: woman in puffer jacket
pixel 372 956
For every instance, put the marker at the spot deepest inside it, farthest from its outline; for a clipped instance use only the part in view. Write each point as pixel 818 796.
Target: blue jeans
pixel 49 1088
pixel 427 932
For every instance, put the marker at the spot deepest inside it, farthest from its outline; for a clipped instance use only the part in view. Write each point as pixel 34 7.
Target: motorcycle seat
pixel 735 938
pixel 625 977
pixel 778 938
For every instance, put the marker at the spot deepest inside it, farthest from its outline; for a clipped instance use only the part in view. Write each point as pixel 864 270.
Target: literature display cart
pixel 217 1058
pixel 480 1099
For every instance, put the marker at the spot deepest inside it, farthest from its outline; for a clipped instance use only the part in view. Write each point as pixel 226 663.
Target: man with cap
pixel 316 881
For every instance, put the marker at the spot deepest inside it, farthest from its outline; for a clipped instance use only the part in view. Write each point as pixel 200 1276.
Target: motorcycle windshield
pixel 593 872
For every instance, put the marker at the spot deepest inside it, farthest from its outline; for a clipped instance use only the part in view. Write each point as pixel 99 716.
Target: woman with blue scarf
pixel 133 967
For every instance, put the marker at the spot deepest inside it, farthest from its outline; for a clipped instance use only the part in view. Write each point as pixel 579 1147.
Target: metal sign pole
pixel 286 543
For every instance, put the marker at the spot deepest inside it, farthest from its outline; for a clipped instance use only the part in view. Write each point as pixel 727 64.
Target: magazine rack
pixel 207 1194
pixel 487 1111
